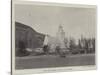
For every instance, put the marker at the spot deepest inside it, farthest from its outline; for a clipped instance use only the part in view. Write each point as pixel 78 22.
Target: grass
pixel 45 61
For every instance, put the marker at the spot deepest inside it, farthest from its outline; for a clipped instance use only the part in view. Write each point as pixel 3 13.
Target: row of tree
pixel 84 45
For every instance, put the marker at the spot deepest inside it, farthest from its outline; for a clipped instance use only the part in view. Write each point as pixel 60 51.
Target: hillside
pixel 27 37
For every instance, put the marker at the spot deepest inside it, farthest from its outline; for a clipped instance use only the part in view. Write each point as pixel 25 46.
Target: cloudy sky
pixel 46 19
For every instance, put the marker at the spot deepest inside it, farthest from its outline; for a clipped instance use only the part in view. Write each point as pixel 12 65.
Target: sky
pixel 46 19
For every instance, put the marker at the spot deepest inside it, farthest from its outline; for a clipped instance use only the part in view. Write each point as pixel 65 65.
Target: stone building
pixel 58 40
pixel 61 37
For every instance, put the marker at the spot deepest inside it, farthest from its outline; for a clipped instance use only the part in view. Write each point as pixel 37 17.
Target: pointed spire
pixel 60 28
pixel 46 40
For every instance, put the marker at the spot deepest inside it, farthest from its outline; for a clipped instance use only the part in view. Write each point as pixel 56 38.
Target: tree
pixel 79 44
pixel 66 43
pixel 72 44
pixel 93 43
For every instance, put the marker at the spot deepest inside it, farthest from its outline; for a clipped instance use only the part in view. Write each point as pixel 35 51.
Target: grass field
pixel 48 61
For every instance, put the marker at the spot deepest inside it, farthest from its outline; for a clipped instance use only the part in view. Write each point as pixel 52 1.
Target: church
pixel 58 40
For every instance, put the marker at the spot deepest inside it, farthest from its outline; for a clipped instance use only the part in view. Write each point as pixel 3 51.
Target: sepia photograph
pixel 53 36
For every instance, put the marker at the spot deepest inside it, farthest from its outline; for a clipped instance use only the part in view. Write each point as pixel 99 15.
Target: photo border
pixel 46 70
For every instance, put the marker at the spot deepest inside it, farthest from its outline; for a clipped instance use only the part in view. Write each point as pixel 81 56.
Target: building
pixel 61 37
pixel 53 42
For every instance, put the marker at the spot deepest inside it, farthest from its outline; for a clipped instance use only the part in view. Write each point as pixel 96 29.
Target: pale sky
pixel 46 19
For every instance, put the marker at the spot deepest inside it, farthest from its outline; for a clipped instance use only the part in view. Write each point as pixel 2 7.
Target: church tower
pixel 61 37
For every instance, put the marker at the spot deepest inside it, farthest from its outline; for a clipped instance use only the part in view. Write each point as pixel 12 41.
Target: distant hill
pixel 28 36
